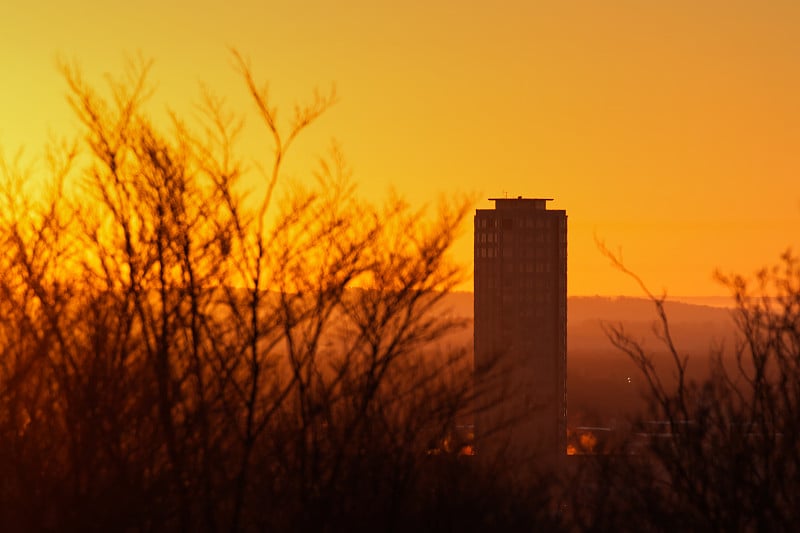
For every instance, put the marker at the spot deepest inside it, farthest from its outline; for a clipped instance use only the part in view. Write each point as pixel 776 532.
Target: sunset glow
pixel 667 129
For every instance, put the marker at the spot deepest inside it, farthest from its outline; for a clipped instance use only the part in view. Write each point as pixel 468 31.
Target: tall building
pixel 521 328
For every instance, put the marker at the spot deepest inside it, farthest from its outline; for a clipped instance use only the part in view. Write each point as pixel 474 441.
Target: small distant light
pixel 628 379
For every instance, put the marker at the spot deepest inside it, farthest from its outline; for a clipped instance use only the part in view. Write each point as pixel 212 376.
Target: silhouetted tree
pixel 177 356
pixel 720 454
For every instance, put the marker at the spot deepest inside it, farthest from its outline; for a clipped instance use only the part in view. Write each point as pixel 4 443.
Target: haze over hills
pixel 603 386
pixel 620 307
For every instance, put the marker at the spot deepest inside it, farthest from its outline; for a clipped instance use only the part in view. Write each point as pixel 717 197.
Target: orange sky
pixel 670 129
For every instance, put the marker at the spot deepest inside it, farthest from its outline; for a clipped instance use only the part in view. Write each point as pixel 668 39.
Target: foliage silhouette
pixel 172 358
pixel 720 454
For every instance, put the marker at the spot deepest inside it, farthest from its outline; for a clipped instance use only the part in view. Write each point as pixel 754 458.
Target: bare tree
pixel 175 357
pixel 724 456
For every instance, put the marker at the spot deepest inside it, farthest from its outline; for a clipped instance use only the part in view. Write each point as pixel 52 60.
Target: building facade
pixel 521 328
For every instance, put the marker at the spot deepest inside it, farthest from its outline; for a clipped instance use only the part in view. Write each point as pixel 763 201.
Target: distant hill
pixel 619 308
pixel 695 326
pixel 603 385
pixel 625 308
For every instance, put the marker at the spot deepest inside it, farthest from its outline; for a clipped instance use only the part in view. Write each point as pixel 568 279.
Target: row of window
pixel 512 282
pixel 521 239
pixel 511 223
pixel 540 265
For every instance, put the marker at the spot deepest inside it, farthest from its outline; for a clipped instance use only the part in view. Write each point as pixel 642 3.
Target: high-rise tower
pixel 521 328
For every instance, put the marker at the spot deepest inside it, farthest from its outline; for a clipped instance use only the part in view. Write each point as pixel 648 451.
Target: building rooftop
pixel 520 203
pixel 521 198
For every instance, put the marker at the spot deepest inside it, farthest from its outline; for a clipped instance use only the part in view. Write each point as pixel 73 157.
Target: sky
pixel 669 130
